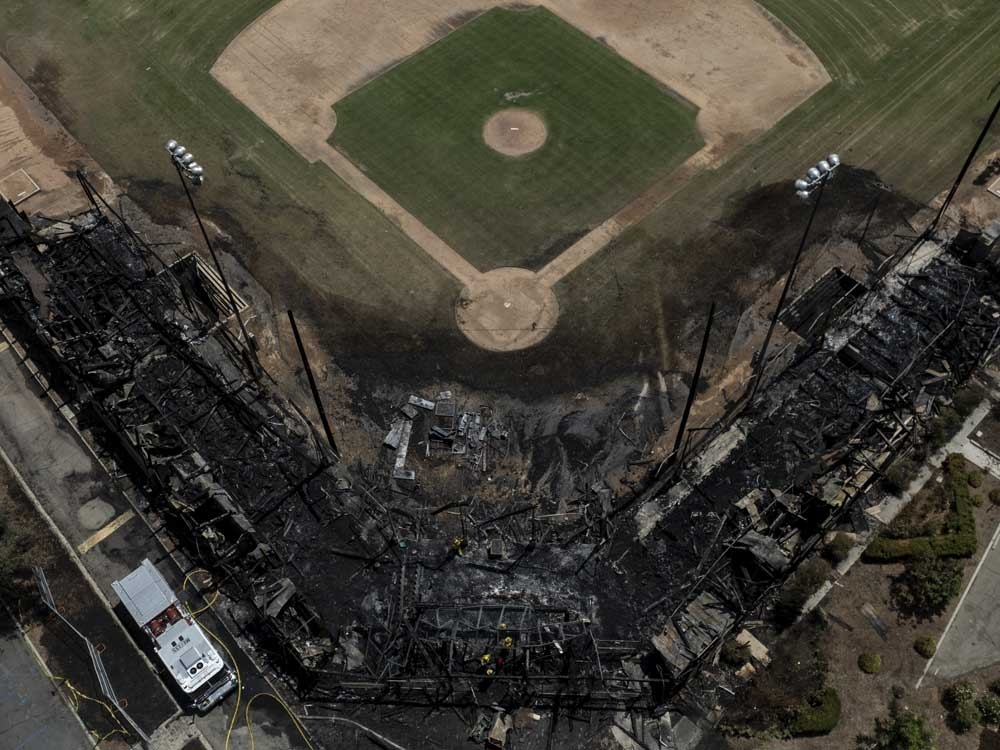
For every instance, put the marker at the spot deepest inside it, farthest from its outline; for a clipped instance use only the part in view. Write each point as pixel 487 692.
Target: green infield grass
pixel 417 130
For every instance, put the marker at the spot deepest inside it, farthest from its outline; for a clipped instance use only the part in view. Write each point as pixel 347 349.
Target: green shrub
pixel 995 496
pixel 958 694
pixel 958 538
pixel 926 646
pixel 926 586
pixel 819 716
pixel 989 708
pixel 975 479
pixel 870 663
pixel 964 717
pixel 904 730
pixel 838 548
pixel 995 686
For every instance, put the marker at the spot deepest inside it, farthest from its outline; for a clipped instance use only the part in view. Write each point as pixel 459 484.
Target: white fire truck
pixel 193 663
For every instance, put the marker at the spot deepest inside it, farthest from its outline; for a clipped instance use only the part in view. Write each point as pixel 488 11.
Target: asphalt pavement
pixel 972 638
pixel 33 716
pixel 74 490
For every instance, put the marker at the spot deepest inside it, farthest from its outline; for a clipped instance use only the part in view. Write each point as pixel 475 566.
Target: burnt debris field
pixel 359 591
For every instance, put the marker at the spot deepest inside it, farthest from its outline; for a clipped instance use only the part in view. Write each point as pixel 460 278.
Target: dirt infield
pixel 739 66
pixel 29 140
pixel 515 132
pixel 507 309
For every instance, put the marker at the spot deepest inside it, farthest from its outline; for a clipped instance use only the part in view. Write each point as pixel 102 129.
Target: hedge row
pixel 959 542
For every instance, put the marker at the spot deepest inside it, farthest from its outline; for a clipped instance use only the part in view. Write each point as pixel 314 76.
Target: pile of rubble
pixel 477 437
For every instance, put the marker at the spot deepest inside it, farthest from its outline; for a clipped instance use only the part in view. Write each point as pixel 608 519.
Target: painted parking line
pixel 99 536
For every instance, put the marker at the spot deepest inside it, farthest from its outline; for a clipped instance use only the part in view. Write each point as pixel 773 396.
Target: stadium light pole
pixel 189 170
pixel 813 185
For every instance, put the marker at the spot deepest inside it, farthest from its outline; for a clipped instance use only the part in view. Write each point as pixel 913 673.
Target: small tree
pixel 904 730
pixel 870 663
pixel 927 585
pixel 989 708
pixel 963 713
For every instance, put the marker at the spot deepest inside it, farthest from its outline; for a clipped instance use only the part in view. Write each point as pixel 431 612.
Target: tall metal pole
pixel 965 167
pixel 695 380
pixel 762 364
pixel 312 385
pixel 252 361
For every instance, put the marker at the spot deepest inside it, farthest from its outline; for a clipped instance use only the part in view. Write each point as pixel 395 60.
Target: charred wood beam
pixel 312 385
pixel 695 382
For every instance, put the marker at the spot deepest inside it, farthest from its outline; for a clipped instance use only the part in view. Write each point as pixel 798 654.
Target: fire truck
pixel 195 667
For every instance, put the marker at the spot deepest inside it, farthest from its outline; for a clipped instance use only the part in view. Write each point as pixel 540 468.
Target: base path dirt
pixel 429 242
pixel 741 67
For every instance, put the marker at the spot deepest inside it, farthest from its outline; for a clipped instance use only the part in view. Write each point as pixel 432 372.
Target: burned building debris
pixel 360 592
pixel 476 438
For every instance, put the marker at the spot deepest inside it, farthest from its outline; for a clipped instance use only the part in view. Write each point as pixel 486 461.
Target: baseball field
pixel 750 94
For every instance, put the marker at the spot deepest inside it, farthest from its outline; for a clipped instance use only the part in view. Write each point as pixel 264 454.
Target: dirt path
pixel 434 246
pixel 741 67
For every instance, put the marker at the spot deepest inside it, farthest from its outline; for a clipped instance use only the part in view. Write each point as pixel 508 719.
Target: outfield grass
pixel 123 77
pixel 911 81
pixel 417 131
pixel 910 93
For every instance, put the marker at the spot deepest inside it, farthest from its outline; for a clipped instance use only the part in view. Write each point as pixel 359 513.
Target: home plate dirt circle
pixel 507 309
pixel 515 131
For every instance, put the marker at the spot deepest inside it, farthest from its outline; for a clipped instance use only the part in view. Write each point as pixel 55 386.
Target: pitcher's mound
pixel 515 132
